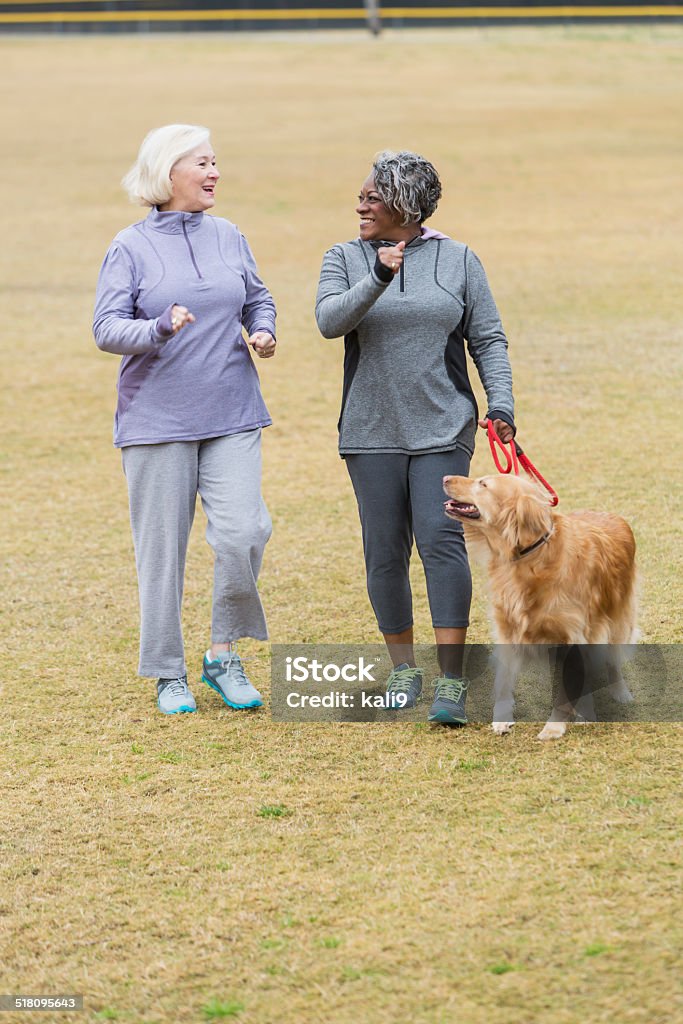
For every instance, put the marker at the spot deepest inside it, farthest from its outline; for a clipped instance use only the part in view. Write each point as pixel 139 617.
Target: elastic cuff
pixel 496 414
pixel 264 327
pixel 398 629
pixel 163 328
pixel 383 274
pixel 146 673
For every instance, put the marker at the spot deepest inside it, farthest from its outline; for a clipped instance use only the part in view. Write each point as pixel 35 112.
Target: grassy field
pixel 225 867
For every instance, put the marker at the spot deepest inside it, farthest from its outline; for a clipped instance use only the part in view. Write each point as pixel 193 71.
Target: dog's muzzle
pixel 461 509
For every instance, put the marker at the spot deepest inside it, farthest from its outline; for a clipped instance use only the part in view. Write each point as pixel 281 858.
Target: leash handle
pixel 510 454
pixel 514 457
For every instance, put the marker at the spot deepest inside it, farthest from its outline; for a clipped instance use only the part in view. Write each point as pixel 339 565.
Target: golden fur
pixel 578 586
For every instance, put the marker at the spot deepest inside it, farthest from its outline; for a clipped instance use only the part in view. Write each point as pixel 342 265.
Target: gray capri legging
pixel 400 497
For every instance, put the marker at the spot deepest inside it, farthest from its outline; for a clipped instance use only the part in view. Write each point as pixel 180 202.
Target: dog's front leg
pixel 552 730
pixel 569 688
pixel 616 684
pixel 507 673
pixel 584 708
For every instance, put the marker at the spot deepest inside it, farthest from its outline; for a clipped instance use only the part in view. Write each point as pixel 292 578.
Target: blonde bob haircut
pixel 148 182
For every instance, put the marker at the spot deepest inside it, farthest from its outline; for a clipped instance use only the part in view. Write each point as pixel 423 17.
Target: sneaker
pixel 173 696
pixel 225 675
pixel 449 701
pixel 404 687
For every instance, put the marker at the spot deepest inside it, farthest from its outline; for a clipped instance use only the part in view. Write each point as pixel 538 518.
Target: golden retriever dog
pixel 554 579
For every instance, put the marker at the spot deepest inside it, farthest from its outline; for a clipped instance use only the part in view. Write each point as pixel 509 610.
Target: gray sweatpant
pixel 163 483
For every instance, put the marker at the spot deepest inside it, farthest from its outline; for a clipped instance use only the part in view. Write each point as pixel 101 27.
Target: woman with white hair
pixel 175 292
pixel 407 299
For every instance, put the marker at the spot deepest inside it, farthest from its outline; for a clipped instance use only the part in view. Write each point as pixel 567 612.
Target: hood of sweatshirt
pixel 432 233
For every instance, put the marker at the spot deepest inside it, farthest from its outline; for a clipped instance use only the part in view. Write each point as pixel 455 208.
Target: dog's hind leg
pixel 623 640
pixel 587 665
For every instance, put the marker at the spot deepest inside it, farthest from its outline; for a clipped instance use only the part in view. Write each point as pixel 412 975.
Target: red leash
pixel 514 458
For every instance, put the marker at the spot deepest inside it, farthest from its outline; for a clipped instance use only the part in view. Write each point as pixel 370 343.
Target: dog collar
pixel 532 547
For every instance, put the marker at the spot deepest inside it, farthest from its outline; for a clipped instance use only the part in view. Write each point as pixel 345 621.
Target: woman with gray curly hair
pixel 407 300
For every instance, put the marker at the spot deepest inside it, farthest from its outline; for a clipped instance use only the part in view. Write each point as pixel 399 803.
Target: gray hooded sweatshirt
pixel 406 386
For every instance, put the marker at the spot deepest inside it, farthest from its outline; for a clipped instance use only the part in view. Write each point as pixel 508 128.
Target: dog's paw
pixel 620 693
pixel 501 728
pixel 552 731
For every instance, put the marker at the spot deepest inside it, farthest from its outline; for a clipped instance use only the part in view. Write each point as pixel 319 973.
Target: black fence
pixel 238 15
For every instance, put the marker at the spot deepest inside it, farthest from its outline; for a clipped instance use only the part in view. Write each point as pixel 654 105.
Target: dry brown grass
pixel 415 875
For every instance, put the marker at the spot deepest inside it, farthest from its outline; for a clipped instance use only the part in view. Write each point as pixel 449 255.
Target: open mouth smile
pixel 461 509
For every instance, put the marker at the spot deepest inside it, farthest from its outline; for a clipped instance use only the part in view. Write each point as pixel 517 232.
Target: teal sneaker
pixel 404 687
pixel 449 701
pixel 225 674
pixel 173 696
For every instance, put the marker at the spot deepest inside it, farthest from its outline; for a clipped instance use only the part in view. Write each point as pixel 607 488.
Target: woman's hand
pixel 263 344
pixel 391 256
pixel 503 429
pixel 180 316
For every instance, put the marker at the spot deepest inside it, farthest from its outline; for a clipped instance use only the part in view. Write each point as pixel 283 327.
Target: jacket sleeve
pixel 486 341
pixel 258 312
pixel 338 308
pixel 118 325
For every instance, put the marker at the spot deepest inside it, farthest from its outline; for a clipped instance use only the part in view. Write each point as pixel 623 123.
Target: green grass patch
pixel 274 811
pixel 471 764
pixel 596 949
pixel 502 968
pixel 171 757
pixel 216 1009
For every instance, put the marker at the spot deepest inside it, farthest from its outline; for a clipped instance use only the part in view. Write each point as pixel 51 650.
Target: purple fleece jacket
pixel 201 382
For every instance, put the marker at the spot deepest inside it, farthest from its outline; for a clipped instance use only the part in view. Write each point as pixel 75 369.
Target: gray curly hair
pixel 408 185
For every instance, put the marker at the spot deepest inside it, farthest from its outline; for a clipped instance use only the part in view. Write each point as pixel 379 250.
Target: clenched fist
pixel 180 315
pixel 391 256
pixel 263 344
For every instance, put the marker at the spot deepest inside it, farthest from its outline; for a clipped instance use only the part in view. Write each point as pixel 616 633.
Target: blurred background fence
pixel 238 15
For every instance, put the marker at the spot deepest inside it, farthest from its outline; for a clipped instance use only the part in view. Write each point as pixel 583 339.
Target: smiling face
pixel 377 222
pixel 194 178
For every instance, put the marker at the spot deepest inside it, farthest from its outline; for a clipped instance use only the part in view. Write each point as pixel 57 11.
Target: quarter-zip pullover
pixel 406 385
pixel 201 382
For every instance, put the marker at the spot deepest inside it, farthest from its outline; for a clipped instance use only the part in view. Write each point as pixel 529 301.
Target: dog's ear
pixel 532 519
